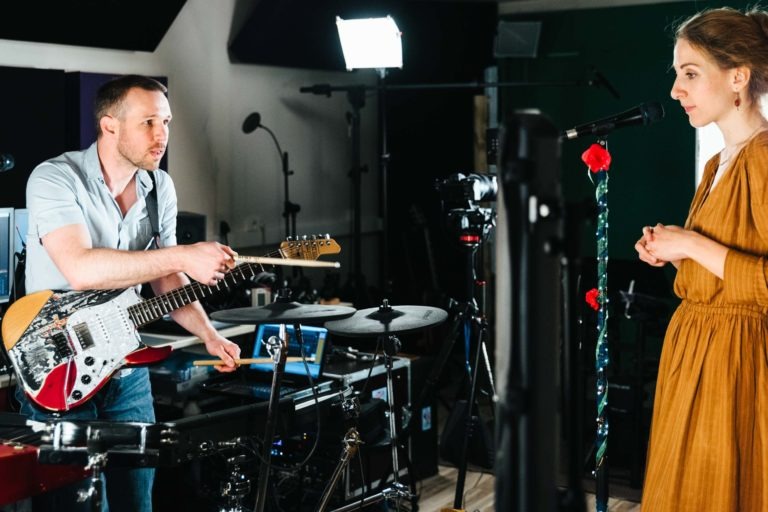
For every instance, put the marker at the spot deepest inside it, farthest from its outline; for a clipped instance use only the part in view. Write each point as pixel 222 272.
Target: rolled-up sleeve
pixel 167 207
pixel 52 198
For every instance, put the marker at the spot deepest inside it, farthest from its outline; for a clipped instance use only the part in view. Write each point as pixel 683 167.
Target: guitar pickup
pixel 84 335
pixel 61 345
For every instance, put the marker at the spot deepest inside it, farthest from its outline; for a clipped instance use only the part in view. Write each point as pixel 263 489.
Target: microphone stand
pixel 289 209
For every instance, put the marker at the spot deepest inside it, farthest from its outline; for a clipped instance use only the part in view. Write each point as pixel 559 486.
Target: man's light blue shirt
pixel 70 189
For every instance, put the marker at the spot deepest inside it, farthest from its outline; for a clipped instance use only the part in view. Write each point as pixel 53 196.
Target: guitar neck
pixel 152 309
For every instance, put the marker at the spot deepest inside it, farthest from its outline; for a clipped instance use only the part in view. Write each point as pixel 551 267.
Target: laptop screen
pixel 314 349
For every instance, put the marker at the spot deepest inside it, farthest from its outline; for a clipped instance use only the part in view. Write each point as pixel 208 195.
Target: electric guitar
pixel 65 345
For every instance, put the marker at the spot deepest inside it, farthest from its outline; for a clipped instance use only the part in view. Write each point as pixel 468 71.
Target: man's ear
pixel 108 124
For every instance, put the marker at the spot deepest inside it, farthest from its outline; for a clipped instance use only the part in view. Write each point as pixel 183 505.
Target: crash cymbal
pixel 387 319
pixel 283 313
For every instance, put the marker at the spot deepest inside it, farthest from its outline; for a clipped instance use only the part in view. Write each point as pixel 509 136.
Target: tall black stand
pixel 356 97
pixel 279 352
pixel 289 209
pixel 383 171
pixel 528 332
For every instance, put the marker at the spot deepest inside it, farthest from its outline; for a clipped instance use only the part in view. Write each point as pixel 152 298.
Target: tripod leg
pixel 468 433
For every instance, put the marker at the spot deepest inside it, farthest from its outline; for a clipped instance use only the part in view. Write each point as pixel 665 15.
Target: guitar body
pixel 66 345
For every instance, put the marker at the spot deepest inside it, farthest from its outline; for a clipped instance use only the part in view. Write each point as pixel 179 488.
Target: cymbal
pixel 387 319
pixel 283 313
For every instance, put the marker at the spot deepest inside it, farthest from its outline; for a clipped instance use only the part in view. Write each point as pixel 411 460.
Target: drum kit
pixel 97 442
pixel 383 322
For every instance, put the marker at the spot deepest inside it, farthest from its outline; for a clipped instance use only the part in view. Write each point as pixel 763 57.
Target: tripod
pixel 475 225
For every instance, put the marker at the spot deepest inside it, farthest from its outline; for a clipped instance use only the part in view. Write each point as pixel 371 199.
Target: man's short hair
pixel 112 93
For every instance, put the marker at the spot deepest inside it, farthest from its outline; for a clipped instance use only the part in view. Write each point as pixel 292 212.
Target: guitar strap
pixel 151 201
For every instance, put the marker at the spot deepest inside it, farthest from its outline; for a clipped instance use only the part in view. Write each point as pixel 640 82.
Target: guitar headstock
pixel 309 247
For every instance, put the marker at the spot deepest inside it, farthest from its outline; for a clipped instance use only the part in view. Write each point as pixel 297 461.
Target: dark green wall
pixel 652 175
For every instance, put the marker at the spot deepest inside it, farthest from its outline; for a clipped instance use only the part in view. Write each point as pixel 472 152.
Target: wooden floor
pixel 438 492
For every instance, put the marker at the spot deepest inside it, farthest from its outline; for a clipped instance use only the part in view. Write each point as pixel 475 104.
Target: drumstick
pixel 294 262
pixel 257 360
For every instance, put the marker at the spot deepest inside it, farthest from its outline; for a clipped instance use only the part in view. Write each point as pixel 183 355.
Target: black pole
pixel 289 209
pixel 383 167
pixel 356 97
pixel 272 413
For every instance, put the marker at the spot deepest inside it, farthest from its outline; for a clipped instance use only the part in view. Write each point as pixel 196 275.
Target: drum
pixel 127 444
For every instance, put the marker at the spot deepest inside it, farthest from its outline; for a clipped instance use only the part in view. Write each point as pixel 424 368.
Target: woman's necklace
pixel 735 148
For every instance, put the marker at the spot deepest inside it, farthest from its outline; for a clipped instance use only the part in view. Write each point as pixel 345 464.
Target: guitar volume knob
pixel 89 361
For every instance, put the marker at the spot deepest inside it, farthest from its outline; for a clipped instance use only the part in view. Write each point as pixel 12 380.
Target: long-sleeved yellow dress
pixel 708 448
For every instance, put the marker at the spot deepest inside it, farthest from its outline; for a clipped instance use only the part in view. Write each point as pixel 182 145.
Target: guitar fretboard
pixel 155 308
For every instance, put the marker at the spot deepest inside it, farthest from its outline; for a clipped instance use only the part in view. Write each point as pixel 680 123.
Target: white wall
pixel 218 170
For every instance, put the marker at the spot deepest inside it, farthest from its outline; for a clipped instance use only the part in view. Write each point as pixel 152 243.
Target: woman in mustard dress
pixel 708 448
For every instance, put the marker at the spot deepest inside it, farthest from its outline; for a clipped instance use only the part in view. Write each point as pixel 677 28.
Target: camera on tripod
pixel 460 195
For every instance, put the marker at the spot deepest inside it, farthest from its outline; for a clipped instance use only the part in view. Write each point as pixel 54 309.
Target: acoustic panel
pixel 137 25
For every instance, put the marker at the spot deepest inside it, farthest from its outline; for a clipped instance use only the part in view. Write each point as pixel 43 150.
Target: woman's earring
pixel 737 103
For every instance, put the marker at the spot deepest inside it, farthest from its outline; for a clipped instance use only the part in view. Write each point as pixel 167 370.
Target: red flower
pixel 597 158
pixel 592 296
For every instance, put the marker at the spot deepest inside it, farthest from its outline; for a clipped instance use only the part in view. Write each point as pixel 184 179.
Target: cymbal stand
pixel 351 409
pixel 396 491
pixel 277 346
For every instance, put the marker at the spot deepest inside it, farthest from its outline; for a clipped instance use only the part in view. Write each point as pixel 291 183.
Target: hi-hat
pixel 387 319
pixel 283 313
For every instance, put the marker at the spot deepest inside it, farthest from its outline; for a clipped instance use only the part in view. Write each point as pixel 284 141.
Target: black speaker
pixel 423 437
pixel 190 228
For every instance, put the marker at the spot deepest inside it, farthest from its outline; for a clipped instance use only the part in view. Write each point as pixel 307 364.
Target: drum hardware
pixel 282 311
pixel 97 461
pixel 237 487
pixel 350 408
pixel 351 442
pixel 383 323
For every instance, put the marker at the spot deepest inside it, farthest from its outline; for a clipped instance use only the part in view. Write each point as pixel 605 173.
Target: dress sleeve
pixel 746 274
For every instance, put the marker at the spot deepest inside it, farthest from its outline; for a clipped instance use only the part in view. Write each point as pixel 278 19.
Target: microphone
pixel 645 114
pixel 6 162
pixel 251 122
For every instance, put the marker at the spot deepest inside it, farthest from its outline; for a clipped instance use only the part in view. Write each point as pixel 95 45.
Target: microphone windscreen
pixel 6 162
pixel 652 112
pixel 251 122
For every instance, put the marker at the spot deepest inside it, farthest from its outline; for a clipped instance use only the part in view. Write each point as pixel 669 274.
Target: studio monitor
pixel 190 228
